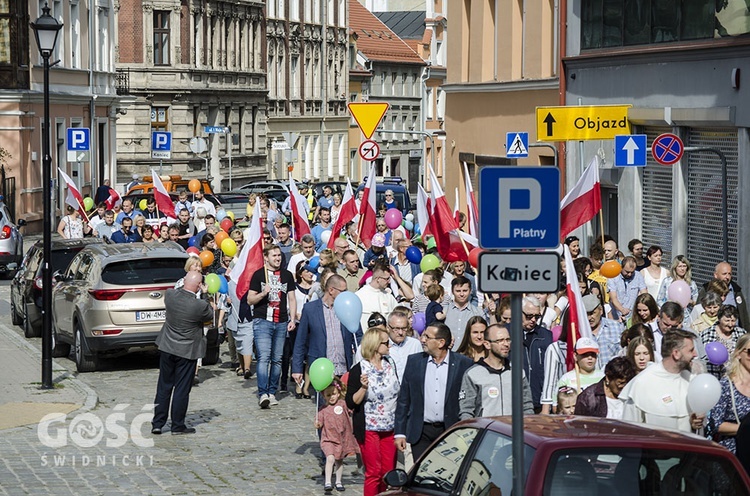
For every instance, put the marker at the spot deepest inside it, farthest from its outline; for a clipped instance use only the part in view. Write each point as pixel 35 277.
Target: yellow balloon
pixel 229 247
pixel 142 204
pixel 230 214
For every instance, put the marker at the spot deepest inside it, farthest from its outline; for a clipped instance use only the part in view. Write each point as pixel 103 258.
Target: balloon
pixel 88 203
pixel 193 250
pixel 408 225
pixel 321 373
pixel 325 236
pixel 418 322
pixel 610 269
pixel 413 254
pixel 431 243
pixel 207 258
pixel 703 393
pixel 556 331
pixel 429 262
pixel 679 291
pixel 230 214
pixel 194 185
pixel 142 204
pixel 393 218
pixel 417 229
pixel 226 224
pixel 474 256
pixel 223 284
pixel 717 353
pixel 220 214
pixel 229 247
pixel 409 217
pixel 220 237
pixel 193 241
pixel 348 308
pixel 314 263
pixel 213 283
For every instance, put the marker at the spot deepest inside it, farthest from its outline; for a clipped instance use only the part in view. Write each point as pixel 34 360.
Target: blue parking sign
pixel 527 202
pixel 79 139
pixel 161 144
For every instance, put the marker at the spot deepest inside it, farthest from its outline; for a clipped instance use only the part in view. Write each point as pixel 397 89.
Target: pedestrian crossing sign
pixel 516 145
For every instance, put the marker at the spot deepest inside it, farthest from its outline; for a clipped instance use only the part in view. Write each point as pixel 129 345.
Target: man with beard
pixel 658 395
pixel 486 387
pixel 323 226
pixel 624 289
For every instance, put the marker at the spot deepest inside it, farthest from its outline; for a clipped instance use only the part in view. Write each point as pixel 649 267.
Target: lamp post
pixel 46 29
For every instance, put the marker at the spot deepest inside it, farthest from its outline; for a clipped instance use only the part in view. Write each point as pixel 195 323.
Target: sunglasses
pixel 532 316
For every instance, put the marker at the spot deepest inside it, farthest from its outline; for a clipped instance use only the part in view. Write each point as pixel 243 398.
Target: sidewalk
pixel 22 401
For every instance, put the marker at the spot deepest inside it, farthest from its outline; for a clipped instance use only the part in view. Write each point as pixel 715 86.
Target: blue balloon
pixel 408 225
pixel 193 241
pixel 223 284
pixel 314 262
pixel 417 230
pixel 413 254
pixel 348 308
pixel 220 214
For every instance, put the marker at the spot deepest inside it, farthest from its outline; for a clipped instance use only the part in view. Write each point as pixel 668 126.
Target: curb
pixel 59 373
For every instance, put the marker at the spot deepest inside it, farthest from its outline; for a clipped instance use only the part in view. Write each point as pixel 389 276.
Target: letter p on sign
pixel 520 199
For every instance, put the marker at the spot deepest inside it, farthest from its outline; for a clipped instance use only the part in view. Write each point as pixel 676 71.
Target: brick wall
pixel 185 33
pixel 131 31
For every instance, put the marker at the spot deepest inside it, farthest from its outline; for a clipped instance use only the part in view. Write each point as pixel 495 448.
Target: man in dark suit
pixel 317 325
pixel 428 400
pixel 181 343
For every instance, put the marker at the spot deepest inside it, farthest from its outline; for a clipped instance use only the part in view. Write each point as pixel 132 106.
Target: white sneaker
pixel 273 401
pixel 264 401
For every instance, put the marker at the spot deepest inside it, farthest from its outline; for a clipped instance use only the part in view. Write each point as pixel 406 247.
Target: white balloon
pixel 325 236
pixel 409 217
pixel 703 393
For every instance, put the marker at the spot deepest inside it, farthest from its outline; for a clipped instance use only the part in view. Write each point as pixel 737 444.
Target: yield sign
pixel 368 116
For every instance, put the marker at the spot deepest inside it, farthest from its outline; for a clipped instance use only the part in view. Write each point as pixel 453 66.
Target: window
pixel 144 271
pixel 159 118
pixel 161 37
pixel 440 467
pixel 103 50
pixel 294 10
pixel 428 104
pixel 492 466
pixel 294 74
pixel 75 35
pixel 5 17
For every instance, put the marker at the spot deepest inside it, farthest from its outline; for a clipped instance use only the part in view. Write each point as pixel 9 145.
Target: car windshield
pixel 439 469
pixel 147 271
pixel 634 471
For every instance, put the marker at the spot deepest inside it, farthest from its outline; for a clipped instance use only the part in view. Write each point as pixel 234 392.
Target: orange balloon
pixel 207 258
pixel 219 237
pixel 611 269
pixel 194 185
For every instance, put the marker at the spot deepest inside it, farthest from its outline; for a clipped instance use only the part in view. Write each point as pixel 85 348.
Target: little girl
pixel 434 311
pixel 337 436
pixel 566 400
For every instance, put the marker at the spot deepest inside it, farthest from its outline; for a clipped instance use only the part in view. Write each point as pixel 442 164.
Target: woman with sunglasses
pixel 734 403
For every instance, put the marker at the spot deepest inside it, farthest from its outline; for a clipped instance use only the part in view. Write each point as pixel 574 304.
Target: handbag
pixel 734 403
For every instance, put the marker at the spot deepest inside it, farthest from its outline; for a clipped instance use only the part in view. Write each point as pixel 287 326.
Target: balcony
pixel 122 81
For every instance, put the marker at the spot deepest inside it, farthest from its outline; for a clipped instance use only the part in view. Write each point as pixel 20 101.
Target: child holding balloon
pixel 336 434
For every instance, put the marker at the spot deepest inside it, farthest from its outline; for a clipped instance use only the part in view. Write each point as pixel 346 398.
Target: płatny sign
pixel 519 272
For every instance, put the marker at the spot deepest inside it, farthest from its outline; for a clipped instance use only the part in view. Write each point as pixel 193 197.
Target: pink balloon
pixel 393 218
pixel 679 291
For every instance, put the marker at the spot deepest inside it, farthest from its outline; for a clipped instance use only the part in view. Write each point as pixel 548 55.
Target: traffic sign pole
pixel 516 377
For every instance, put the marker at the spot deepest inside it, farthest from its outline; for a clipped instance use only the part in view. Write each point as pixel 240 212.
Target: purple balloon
pixel 717 353
pixel 419 322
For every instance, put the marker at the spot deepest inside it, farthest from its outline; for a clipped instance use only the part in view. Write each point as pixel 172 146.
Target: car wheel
pixel 14 317
pixel 85 361
pixel 29 330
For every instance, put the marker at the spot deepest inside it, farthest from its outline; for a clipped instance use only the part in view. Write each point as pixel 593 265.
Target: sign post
pixel 161 146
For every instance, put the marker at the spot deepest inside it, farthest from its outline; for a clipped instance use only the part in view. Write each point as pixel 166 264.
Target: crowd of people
pixel 430 349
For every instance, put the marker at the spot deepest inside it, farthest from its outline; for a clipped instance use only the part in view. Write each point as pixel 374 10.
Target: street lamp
pixel 46 29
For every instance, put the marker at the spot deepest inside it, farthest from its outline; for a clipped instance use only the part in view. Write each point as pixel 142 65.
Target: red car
pixel 581 456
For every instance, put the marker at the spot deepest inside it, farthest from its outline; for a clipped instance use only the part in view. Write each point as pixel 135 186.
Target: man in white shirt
pixel 308 252
pixel 200 201
pixel 401 345
pixel 375 296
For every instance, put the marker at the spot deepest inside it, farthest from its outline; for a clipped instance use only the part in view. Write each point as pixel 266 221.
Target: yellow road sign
pixel 581 123
pixel 368 116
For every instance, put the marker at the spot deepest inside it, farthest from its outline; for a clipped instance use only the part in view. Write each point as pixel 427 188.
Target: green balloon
pixel 321 373
pixel 431 243
pixel 213 282
pixel 429 262
pixel 88 203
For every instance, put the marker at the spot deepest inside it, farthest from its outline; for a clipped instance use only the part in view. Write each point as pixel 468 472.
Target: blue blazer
pixel 312 338
pixel 410 404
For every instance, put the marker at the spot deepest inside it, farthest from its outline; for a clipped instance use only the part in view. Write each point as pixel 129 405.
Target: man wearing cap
pixel 606 331
pixel 586 372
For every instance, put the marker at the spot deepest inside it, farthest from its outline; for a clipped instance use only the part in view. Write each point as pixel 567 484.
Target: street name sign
pixel 594 122
pixel 217 129
pixel 519 272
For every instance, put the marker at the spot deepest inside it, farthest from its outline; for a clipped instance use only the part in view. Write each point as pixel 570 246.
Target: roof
pixel 376 40
pixel 407 25
pixel 63 244
pixel 116 252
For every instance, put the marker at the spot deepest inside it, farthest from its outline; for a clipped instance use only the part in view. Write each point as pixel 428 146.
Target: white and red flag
pixel 74 197
pixel 113 199
pixel 578 322
pixel 299 213
pixel 162 198
pixel 368 210
pixel 471 205
pixel 582 202
pixel 443 226
pixel 347 212
pixel 423 211
pixel 251 256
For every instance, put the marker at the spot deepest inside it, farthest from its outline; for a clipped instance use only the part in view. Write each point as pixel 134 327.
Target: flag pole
pixel 601 224
pixel 578 370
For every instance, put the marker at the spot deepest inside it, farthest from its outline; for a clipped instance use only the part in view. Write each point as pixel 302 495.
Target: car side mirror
pixel 21 222
pixel 396 478
pixel 58 277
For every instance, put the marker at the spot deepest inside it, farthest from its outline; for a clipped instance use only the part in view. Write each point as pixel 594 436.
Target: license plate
pixel 150 315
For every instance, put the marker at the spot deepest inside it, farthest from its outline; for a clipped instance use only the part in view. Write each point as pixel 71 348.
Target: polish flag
pixel 74 198
pixel 113 199
pixel 346 214
pixel 423 211
pixel 444 226
pixel 299 214
pixel 163 201
pixel 578 320
pixel 582 202
pixel 368 210
pixel 251 256
pixel 471 204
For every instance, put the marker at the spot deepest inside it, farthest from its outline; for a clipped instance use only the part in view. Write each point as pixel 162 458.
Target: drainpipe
pixel 323 85
pixel 563 20
pixel 93 143
pixel 425 77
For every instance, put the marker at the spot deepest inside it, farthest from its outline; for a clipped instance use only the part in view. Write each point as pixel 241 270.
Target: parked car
pixel 336 187
pixel 400 193
pixel 11 242
pixel 261 186
pixel 137 197
pixel 571 456
pixel 26 286
pixel 110 300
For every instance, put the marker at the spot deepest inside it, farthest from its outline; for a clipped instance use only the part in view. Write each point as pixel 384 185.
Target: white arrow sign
pixel 630 147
